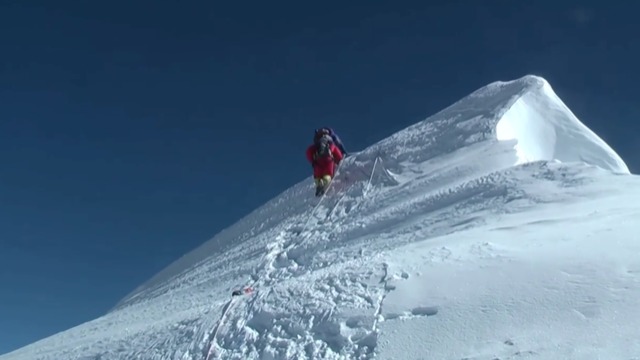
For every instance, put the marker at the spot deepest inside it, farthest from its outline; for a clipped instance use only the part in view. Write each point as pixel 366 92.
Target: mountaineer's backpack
pixel 323 147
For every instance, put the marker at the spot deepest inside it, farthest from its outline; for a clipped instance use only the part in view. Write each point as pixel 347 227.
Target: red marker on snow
pixel 238 292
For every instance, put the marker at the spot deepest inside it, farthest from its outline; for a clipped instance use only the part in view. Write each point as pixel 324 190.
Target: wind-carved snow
pixel 499 228
pixel 547 130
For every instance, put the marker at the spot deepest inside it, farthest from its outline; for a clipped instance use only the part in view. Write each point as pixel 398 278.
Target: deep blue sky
pixel 131 132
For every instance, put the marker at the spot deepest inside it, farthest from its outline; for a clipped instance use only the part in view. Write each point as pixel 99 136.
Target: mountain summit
pixel 499 228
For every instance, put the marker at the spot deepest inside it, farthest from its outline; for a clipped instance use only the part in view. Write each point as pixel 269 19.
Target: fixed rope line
pixel 213 342
pixel 319 202
pixel 366 188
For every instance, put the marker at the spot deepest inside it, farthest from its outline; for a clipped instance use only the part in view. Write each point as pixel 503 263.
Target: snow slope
pixel 499 228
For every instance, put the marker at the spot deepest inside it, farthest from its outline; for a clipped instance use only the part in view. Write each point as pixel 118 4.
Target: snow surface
pixel 499 228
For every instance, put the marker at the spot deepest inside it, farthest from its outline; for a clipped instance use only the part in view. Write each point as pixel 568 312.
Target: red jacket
pixel 324 166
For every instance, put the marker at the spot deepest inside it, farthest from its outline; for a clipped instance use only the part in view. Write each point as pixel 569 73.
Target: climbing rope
pixel 230 303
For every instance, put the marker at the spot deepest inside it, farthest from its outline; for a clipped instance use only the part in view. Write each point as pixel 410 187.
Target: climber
pixel 334 137
pixel 323 155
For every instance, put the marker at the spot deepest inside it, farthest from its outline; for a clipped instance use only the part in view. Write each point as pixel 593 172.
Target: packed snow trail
pixel 276 250
pixel 438 260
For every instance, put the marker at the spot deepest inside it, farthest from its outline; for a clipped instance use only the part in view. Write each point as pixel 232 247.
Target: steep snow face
pixel 499 226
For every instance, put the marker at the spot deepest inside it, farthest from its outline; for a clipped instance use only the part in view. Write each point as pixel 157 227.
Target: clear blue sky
pixel 132 132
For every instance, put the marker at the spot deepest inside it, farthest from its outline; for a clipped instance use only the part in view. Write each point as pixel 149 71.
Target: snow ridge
pixel 526 111
pixel 349 277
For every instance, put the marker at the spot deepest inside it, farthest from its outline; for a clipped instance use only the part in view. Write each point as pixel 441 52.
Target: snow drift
pixel 499 228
